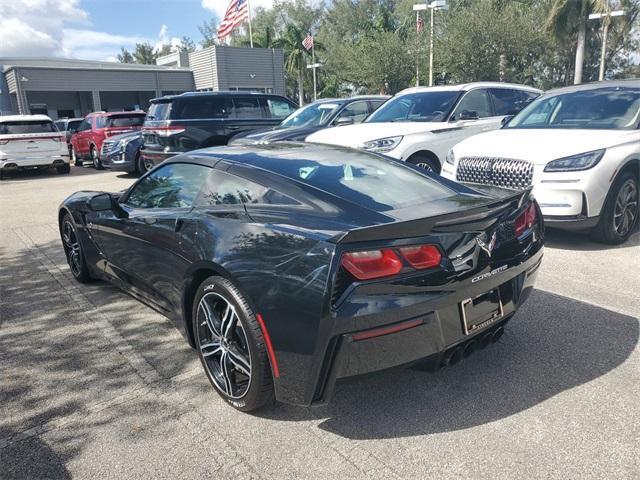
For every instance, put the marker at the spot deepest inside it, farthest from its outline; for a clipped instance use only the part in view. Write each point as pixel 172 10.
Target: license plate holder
pixel 481 311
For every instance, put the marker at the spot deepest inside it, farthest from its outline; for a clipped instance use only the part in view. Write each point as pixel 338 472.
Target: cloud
pixel 165 39
pixel 92 45
pixel 220 6
pixel 35 27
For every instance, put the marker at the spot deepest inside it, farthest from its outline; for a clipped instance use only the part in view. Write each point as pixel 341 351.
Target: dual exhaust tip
pixel 457 354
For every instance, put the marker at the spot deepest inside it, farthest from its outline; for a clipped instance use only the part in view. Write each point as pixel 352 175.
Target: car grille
pixel 108 147
pixel 500 172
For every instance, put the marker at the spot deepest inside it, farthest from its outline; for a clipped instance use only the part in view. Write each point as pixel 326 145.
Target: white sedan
pixel 419 125
pixel 579 147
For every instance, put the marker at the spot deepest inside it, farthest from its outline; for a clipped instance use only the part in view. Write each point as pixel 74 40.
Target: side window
pixel 509 102
pixel 247 108
pixel 279 108
pixel 84 125
pixel 213 106
pixel 175 185
pixel 100 122
pixel 60 126
pixel 375 104
pixel 357 110
pixel 475 101
pixel 221 188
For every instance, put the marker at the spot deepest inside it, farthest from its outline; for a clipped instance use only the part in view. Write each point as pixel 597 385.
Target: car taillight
pixel 526 220
pixel 422 256
pixel 369 264
pixel 165 131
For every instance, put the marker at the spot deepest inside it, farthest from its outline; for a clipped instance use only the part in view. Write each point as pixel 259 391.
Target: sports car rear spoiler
pixel 475 219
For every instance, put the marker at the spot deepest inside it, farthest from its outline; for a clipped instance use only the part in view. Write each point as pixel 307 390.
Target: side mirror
pixel 468 115
pixel 100 203
pixel 344 121
pixel 506 120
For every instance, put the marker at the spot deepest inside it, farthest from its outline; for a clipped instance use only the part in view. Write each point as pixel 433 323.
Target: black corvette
pixel 289 266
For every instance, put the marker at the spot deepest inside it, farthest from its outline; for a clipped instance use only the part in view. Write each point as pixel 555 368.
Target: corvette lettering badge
pixel 487 247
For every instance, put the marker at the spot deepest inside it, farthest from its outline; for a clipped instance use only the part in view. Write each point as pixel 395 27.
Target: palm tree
pixel 568 17
pixel 261 39
pixel 291 42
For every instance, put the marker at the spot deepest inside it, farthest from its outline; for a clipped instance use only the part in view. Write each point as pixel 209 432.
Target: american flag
pixel 308 41
pixel 237 12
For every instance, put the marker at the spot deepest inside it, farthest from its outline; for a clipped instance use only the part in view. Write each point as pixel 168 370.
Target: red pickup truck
pixel 86 143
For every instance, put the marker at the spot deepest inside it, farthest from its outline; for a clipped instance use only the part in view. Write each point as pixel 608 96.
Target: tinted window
pixel 475 101
pixel 171 186
pixel 357 110
pixel 247 107
pixel 159 111
pixel 99 122
pixel 74 124
pixel 84 125
pixel 223 188
pixel 416 107
pixel 507 101
pixel 600 108
pixel 279 108
pixel 367 180
pixel 125 121
pixel 60 125
pixel 375 104
pixel 19 127
pixel 196 107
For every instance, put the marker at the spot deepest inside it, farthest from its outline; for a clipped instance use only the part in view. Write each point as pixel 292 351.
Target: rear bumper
pixel 571 222
pixel 33 162
pixel 430 320
pixel 157 157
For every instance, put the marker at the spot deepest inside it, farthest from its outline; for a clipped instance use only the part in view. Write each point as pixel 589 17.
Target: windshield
pixel 602 108
pixel 312 115
pixel 416 107
pixel 21 127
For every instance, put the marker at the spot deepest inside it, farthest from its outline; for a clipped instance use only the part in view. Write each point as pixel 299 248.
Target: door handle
pixel 233 128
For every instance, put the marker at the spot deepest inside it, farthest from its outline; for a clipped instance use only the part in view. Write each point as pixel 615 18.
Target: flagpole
pixel 313 61
pixel 250 32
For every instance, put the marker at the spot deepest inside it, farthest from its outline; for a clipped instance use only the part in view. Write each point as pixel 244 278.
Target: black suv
pixel 181 123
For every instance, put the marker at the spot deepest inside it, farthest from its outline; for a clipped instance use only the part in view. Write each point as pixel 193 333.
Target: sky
pixel 96 29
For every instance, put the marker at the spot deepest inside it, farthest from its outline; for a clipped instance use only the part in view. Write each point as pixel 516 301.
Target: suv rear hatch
pixel 30 139
pixel 123 123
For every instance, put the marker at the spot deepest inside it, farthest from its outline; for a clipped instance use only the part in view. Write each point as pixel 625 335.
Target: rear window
pixel 159 111
pixel 20 127
pixel 125 121
pixel 367 180
pixel 202 107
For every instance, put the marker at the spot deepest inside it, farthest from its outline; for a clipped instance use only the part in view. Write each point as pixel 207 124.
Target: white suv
pixel 579 147
pixel 31 141
pixel 420 125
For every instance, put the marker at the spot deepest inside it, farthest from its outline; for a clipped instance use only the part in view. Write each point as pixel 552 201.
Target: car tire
pixel 73 250
pixel 141 168
pixel 231 345
pixel 77 161
pixel 619 216
pixel 66 168
pixel 95 159
pixel 425 161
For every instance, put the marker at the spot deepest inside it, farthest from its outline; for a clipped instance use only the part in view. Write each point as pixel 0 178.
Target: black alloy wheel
pixel 425 162
pixel 231 346
pixel 73 250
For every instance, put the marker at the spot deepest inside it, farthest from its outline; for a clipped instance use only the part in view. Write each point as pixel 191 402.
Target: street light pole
pixel 606 19
pixel 431 47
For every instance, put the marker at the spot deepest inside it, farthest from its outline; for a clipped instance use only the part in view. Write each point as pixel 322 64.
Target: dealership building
pixel 61 87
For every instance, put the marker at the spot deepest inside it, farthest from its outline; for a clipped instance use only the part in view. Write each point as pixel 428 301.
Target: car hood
pixel 274 135
pixel 356 135
pixel 541 145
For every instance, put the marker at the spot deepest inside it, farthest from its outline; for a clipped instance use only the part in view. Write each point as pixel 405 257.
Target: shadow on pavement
pixel 553 344
pixel 17 176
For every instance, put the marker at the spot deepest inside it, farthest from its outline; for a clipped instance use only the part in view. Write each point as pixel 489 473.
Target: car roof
pixel 628 83
pixel 344 100
pixel 463 87
pixel 67 119
pixel 232 93
pixel 25 118
pixel 123 112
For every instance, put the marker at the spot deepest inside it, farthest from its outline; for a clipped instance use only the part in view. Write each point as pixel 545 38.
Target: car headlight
pixel 450 158
pixel 573 163
pixel 382 144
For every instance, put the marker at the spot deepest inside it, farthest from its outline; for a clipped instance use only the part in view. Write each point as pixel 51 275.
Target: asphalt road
pixel 95 385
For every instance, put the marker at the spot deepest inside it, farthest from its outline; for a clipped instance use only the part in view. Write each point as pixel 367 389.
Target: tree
pixel 143 53
pixel 125 56
pixel 209 32
pixel 187 45
pixel 291 43
pixel 165 49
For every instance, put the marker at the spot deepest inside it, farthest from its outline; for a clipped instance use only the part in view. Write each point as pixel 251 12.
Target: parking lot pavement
pixel 95 385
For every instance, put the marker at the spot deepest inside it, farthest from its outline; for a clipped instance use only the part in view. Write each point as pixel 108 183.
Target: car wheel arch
pixel 197 274
pixel 424 153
